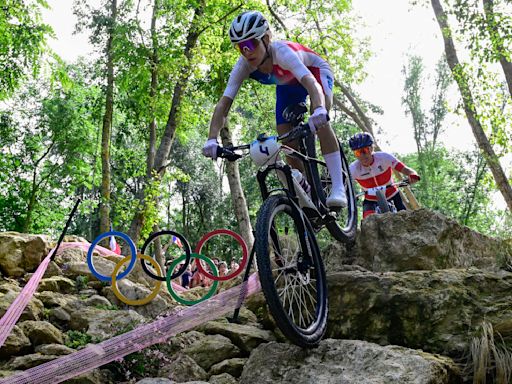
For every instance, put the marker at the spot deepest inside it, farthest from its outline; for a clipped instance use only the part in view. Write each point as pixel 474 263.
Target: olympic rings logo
pixel 159 244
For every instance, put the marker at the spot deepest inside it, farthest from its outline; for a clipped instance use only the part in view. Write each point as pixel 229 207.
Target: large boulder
pixel 57 284
pixel 346 361
pixel 437 311
pixel 233 367
pixel 16 343
pixel 25 362
pixel 21 253
pixel 183 368
pixel 419 240
pixel 9 292
pixel 137 291
pixel 41 332
pixel 103 324
pixel 211 350
pixel 245 337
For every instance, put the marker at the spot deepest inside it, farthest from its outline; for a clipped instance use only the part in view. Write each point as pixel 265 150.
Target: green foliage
pixel 76 339
pixel 22 42
pixel 81 282
pixel 107 307
pixel 48 149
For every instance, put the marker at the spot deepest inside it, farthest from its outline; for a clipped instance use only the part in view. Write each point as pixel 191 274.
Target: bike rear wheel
pixel 344 224
pixel 292 278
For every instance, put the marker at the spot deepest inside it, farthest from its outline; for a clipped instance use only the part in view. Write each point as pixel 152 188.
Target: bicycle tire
pixel 186 248
pixel 343 227
pixel 298 274
pixel 382 202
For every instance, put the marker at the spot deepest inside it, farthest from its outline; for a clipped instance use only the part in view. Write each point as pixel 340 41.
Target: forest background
pixel 123 128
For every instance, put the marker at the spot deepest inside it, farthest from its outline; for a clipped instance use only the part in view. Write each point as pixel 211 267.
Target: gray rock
pixel 41 332
pixel 21 253
pixel 54 349
pixel 56 299
pixel 135 291
pixel 346 361
pixel 59 284
pixel 223 378
pixel 97 376
pixel 436 311
pixel 52 270
pixel 97 300
pixel 59 316
pixel 211 350
pixel 183 368
pixel 419 240
pixel 16 343
pixel 28 361
pixel 33 311
pixel 245 337
pixel 233 367
pixel 87 293
pixel 8 373
pixel 156 380
pixel 103 324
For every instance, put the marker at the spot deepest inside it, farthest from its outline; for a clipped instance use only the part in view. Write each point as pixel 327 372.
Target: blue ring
pixel 133 250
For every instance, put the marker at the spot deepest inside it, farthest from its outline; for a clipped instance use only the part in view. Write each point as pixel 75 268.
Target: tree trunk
pixel 237 193
pixel 162 154
pixel 497 42
pixel 152 93
pixel 107 128
pixel 469 106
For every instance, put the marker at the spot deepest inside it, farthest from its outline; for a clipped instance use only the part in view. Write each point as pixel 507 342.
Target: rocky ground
pixel 409 302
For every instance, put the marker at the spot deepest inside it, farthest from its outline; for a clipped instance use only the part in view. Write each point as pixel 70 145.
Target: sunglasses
pixel 248 45
pixel 360 151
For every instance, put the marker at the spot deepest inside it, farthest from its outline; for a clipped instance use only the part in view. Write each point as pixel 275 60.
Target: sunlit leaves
pixel 22 41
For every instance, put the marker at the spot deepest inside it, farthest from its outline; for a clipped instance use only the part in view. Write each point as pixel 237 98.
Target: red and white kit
pixel 377 174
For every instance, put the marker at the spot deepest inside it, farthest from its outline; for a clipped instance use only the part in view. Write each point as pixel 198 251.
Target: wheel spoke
pixel 291 277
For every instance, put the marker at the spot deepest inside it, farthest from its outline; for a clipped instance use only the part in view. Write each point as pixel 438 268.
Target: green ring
pixel 208 294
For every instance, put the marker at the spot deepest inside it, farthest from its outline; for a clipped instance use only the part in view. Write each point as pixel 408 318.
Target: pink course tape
pixel 17 307
pixel 13 313
pixel 144 336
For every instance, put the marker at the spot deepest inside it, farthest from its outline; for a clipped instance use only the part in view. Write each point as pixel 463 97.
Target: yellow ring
pixel 152 295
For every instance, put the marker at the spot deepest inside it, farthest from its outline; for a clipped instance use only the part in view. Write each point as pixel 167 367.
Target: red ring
pixel 238 238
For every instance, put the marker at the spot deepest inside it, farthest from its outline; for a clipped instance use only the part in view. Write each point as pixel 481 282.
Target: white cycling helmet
pixel 248 25
pixel 264 152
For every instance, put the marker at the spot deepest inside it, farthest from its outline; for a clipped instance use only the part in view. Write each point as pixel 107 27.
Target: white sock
pixel 333 161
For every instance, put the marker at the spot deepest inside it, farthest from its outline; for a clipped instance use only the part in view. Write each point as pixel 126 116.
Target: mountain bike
pixel 290 265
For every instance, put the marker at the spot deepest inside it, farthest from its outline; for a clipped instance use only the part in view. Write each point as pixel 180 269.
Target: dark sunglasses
pixel 248 45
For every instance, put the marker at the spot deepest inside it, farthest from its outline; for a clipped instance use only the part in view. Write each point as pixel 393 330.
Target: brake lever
pixel 227 154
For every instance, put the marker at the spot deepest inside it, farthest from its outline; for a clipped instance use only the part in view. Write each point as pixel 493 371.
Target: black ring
pixel 186 247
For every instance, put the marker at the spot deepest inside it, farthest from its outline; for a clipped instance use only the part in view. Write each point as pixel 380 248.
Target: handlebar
pixel 402 183
pixel 300 131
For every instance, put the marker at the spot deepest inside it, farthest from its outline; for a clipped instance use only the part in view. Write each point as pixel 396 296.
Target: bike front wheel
pixel 292 278
pixel 382 202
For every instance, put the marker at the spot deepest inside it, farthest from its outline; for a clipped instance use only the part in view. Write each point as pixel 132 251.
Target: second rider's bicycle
pixel 289 262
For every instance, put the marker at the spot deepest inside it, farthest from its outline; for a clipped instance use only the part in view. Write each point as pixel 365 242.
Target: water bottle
pixel 302 187
pixel 299 177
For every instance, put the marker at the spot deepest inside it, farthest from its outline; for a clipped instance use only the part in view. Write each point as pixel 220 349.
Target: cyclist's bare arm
pixel 219 116
pixel 316 94
pixel 408 172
